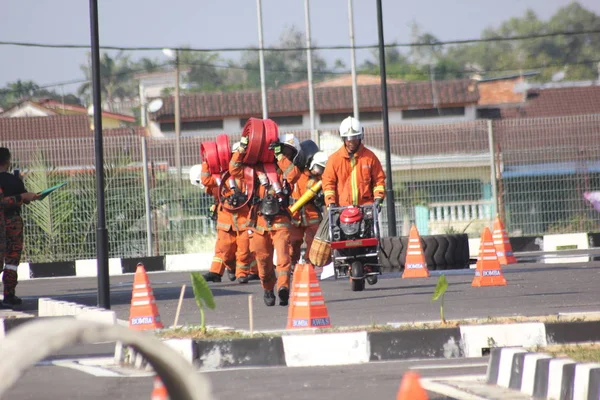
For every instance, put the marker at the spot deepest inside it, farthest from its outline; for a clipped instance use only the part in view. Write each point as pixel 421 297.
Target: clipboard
pixel 46 192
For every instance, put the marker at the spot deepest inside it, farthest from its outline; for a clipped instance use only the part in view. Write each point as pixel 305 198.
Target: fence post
pixel 147 197
pixel 491 143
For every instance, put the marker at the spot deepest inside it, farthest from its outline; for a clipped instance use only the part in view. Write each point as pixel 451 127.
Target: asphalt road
pixel 533 289
pixel 354 382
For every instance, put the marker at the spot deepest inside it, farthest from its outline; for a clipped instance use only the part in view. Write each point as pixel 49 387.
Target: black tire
pixel 429 245
pixel 402 254
pixel 441 253
pixel 396 251
pixel 462 254
pixel 357 285
pixel 385 251
pixel 451 251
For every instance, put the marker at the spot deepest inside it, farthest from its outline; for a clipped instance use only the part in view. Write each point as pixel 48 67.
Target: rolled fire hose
pixel 224 152
pixel 254 130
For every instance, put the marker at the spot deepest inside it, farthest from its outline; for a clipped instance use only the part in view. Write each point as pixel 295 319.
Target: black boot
pixel 253 277
pixel 212 277
pixel 11 300
pixel 284 296
pixel 231 274
pixel 269 298
pixel 242 279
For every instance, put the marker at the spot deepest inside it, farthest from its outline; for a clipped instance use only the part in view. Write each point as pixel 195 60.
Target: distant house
pixel 33 128
pixel 413 102
pixel 48 107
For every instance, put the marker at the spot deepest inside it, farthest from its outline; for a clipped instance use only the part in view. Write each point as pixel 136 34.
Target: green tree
pixel 115 78
pixel 282 67
pixel 18 91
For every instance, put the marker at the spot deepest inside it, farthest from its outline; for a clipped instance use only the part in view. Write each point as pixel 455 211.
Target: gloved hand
pixel 377 203
pixel 277 147
pixel 244 143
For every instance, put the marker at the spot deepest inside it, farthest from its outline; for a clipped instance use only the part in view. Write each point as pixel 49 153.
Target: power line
pixel 300 71
pixel 345 47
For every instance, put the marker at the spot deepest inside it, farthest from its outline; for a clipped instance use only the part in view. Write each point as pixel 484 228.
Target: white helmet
pixel 195 175
pixel 320 158
pixel 235 146
pixel 351 128
pixel 290 140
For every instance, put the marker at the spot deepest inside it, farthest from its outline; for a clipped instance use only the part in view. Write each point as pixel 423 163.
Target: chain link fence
pixel 447 178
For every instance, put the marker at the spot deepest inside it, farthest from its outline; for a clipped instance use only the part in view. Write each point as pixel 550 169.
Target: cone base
pixel 416 273
pixel 479 281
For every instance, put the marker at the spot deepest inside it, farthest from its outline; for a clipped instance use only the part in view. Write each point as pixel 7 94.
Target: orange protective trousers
pixel 299 234
pixel 232 251
pixel 272 242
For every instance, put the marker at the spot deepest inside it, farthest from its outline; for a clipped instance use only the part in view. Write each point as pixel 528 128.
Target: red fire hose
pixel 254 130
pixel 224 152
pixel 208 153
pixel 271 135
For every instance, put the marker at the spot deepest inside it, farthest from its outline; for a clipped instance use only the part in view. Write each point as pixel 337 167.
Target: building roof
pixel 343 80
pixel 52 107
pixel 51 127
pixel 557 102
pixel 328 99
pixel 57 127
pixel 500 91
pixel 57 105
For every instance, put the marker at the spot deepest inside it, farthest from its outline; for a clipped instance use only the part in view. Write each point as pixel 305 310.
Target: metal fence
pixel 447 178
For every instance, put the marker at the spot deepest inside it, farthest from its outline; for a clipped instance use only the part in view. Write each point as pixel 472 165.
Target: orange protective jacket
pixel 286 170
pixel 353 180
pixel 226 219
pixel 308 214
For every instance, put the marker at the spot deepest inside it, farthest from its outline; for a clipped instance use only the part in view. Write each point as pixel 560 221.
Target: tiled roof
pixel 52 127
pixel 56 105
pixel 557 102
pixel 499 92
pixel 126 131
pixel 343 80
pixel 329 99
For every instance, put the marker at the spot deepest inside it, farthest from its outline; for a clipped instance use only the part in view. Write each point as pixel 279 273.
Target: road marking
pixel 88 369
pixel 449 366
pixel 447 390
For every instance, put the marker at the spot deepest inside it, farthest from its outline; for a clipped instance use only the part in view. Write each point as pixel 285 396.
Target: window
pixel 489 113
pixel 433 112
pixel 193 125
pixel 286 120
pixel 337 118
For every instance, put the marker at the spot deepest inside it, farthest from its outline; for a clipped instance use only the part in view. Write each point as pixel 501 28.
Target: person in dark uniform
pixel 12 196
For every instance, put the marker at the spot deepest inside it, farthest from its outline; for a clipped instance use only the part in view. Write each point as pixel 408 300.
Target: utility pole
pixel 389 190
pixel 311 92
pixel 261 60
pixel 353 60
pixel 101 231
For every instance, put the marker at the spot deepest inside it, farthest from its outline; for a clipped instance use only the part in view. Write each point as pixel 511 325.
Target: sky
pixel 229 23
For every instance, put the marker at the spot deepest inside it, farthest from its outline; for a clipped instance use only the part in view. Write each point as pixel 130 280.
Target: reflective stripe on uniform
pixel 11 267
pixel 354 180
pixel 282 273
pixel 329 192
pixel 223 226
pixel 217 259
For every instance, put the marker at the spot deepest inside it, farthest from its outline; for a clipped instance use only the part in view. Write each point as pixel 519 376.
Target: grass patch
pixel 584 352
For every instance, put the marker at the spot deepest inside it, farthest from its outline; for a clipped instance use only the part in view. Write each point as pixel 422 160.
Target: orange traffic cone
pixel 160 391
pixel 415 265
pixel 410 388
pixel 143 313
pixel 307 305
pixel 502 244
pixel 488 271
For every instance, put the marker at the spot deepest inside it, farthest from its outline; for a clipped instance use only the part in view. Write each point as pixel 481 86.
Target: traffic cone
pixel 502 244
pixel 410 388
pixel 307 306
pixel 160 391
pixel 415 265
pixel 143 313
pixel 488 271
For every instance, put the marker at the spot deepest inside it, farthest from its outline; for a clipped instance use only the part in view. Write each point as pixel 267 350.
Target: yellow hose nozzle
pixel 306 197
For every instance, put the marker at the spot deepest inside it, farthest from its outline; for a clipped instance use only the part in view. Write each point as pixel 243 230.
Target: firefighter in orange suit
pixel 307 219
pixel 271 220
pixel 232 249
pixel 353 175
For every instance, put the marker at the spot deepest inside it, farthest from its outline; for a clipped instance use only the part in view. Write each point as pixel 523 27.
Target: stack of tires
pixel 441 252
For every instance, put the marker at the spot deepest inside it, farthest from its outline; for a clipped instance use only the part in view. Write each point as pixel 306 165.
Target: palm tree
pixel 115 78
